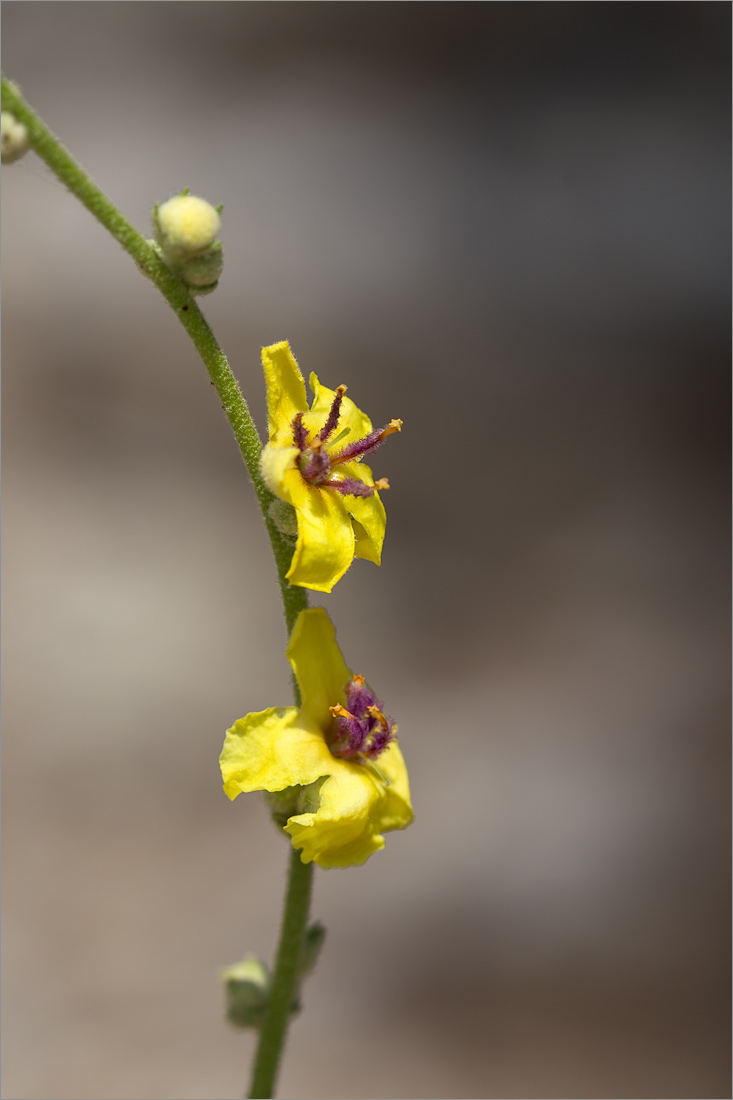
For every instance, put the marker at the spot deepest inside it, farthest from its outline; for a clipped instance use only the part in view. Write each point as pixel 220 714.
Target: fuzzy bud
pixel 185 226
pixel 247 986
pixel 13 138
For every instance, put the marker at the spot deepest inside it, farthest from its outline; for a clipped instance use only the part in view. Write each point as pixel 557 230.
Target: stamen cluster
pixel 360 730
pixel 316 463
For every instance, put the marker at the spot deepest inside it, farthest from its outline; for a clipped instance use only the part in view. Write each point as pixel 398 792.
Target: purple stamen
pixel 379 741
pixel 368 445
pixel 314 465
pixel 349 486
pixel 333 416
pixel 300 435
pixel 360 730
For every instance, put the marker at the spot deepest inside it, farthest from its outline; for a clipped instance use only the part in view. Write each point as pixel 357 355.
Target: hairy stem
pixel 176 293
pixel 272 1036
pixel 294 599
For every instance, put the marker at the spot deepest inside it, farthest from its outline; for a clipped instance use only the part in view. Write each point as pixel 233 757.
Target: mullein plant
pixel 331 766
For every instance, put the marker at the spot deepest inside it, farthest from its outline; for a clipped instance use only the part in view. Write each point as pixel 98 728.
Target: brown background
pixel 508 225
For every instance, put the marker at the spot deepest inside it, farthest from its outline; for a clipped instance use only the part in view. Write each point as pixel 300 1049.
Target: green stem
pixel 294 599
pixel 272 1035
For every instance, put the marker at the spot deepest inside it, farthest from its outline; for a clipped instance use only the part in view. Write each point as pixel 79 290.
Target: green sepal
pixel 311 950
pixel 201 273
pixel 309 953
pixel 247 989
pixel 292 801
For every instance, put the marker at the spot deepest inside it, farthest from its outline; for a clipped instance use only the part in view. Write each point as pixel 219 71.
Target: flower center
pixel 359 731
pixel 316 464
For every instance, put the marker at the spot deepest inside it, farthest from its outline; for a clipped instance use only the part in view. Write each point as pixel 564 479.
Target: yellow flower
pixel 341 737
pixel 314 462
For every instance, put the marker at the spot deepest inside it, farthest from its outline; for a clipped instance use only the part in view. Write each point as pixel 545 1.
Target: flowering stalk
pixel 178 296
pixel 294 598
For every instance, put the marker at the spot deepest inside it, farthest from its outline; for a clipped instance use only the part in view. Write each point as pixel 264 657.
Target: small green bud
pixel 247 985
pixel 185 225
pixel 283 516
pixel 13 138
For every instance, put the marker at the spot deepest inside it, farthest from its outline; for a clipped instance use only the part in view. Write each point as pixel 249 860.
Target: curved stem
pixel 294 599
pixel 176 293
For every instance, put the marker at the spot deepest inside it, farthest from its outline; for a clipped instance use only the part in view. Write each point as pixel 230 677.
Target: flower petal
pixel 275 463
pixel 369 513
pixel 325 546
pixel 350 417
pixel 318 665
pixel 271 750
pixel 285 391
pixel 395 812
pixel 341 833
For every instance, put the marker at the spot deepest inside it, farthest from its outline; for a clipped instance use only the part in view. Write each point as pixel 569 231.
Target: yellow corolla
pixel 339 744
pixel 314 461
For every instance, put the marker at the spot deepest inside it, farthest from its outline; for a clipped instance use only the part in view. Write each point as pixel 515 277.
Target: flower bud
pixel 13 138
pixel 185 225
pixel 247 985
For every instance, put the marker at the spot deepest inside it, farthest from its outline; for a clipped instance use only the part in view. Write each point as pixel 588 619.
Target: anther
pixel 340 712
pixel 375 712
pixel 381 484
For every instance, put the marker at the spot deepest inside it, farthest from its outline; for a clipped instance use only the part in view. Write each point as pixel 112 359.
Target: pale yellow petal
pixel 369 513
pixel 276 463
pixel 285 391
pixel 318 665
pixel 341 832
pixel 395 811
pixel 325 546
pixel 350 855
pixel 271 750
pixel 350 417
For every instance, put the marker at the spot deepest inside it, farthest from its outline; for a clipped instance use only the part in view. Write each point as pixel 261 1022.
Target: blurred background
pixel 507 224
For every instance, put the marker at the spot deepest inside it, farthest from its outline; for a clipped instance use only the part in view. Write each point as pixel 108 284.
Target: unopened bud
pixel 13 138
pixel 185 225
pixel 247 986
